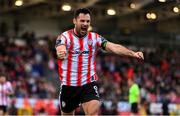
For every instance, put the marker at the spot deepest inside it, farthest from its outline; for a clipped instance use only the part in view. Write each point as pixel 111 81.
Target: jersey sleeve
pixel 61 40
pixel 101 42
pixel 9 85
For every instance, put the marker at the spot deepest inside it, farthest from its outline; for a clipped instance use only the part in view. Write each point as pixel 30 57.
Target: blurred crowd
pixel 158 75
pixel 30 63
pixel 27 61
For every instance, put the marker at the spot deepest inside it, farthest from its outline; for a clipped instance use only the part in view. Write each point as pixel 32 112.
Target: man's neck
pixel 78 35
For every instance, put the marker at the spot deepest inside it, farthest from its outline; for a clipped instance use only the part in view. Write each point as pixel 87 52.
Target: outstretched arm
pixel 121 50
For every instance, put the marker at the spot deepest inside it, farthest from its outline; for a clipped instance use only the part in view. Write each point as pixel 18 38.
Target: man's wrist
pixel 133 54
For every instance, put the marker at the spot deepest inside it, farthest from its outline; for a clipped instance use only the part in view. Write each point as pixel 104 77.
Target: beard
pixel 81 31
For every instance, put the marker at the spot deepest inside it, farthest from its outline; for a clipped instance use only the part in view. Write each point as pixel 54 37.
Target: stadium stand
pixel 32 68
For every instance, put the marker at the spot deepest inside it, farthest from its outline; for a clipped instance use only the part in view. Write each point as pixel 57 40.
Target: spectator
pixel 134 96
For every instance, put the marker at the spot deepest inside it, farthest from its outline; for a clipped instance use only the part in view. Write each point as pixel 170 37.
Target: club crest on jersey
pixel 90 42
pixel 71 43
pixel 63 104
pixel 58 42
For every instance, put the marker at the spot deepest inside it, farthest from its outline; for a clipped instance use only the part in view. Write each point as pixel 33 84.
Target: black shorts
pixel 71 97
pixel 3 108
pixel 134 108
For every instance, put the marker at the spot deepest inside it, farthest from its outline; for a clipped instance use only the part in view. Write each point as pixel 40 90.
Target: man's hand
pixel 61 54
pixel 61 51
pixel 139 55
pixel 8 92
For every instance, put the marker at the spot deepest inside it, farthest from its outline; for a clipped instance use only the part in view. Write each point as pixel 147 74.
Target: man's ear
pixel 74 20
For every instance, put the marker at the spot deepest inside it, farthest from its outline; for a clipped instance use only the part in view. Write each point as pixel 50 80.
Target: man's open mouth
pixel 84 28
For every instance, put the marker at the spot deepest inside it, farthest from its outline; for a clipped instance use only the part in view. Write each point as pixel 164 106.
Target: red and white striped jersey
pixel 79 67
pixel 4 89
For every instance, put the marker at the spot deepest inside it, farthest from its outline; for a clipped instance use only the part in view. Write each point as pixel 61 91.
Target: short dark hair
pixel 81 10
pixel 3 75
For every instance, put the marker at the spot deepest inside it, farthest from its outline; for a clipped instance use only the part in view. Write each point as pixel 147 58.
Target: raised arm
pixel 61 46
pixel 61 51
pixel 121 50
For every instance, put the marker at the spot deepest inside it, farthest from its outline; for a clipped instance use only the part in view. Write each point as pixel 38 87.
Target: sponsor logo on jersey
pixel 79 52
pixel 90 42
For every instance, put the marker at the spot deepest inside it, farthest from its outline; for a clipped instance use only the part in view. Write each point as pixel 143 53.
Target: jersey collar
pixel 73 31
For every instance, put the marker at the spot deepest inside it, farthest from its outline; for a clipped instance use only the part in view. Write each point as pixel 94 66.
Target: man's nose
pixel 85 23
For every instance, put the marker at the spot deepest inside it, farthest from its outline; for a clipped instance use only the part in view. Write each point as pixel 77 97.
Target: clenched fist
pixel 61 54
pixel 139 55
pixel 61 51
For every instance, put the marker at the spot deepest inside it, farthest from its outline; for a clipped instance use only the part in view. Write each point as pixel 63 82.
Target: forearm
pixel 119 50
